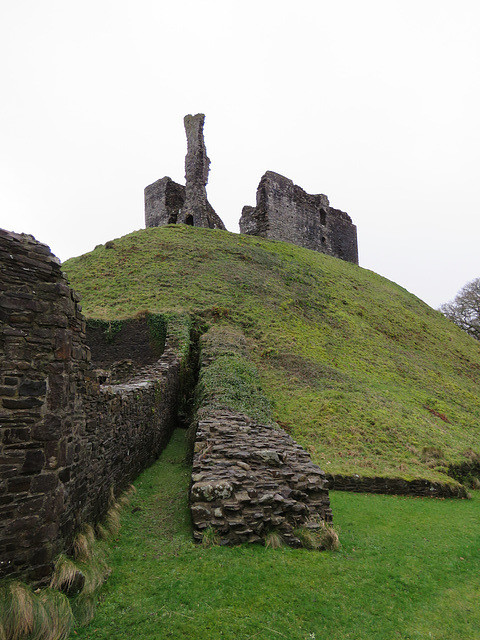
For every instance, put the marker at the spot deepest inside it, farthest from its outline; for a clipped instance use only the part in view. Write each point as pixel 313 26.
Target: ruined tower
pixel 286 212
pixel 167 202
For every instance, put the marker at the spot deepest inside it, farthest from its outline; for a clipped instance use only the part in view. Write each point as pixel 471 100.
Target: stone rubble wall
pixel 249 479
pixel 43 358
pixel 65 440
pixel 395 486
pixel 127 427
pixel 284 211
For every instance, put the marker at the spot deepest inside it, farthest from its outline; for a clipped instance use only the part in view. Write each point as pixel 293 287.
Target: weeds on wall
pixel 110 328
pixel 228 378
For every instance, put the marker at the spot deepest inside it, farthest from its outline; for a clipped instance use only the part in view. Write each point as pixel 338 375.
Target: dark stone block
pixel 23 403
pixel 19 485
pixel 34 461
pixel 32 387
pixel 64 475
pixel 8 391
pixel 21 525
pixel 49 429
pixel 16 435
pixel 44 483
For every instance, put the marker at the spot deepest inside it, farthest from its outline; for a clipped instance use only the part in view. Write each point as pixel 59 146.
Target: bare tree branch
pixel 464 310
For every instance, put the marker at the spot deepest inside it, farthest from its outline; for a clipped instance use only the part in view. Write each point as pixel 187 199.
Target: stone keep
pixel 167 202
pixel 286 212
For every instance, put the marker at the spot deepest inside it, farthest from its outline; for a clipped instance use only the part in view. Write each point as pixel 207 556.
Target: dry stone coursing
pixel 43 359
pixel 395 486
pixel 249 479
pixel 127 427
pixel 65 439
pixel 167 202
pixel 284 211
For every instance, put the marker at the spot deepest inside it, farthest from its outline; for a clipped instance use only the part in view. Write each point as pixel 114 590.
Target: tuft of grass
pixel 210 538
pixel 25 615
pixel 18 610
pixel 65 573
pixel 274 540
pixel 329 539
pixel 316 534
pixel 59 615
pixel 112 521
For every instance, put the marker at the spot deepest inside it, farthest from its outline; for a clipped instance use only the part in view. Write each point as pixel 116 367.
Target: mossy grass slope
pixel 362 373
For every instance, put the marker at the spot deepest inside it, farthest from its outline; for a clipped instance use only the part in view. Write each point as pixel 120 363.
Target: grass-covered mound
pixel 362 373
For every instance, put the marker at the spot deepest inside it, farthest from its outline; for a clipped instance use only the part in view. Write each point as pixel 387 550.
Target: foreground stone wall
pixel 43 359
pixel 65 439
pixel 284 211
pixel 249 479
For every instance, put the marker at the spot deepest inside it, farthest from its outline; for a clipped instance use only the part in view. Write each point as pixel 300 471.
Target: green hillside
pixel 362 373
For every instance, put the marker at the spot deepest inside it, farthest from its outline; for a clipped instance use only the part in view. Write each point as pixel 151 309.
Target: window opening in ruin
pixel 323 240
pixel 323 217
pixel 173 218
pixel 189 220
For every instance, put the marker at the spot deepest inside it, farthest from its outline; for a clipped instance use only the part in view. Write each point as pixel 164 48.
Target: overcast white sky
pixel 374 103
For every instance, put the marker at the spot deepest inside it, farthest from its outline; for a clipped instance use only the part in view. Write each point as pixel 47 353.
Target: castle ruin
pixel 167 202
pixel 284 211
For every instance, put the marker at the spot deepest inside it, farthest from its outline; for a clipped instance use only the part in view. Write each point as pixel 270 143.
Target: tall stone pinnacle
pixel 196 209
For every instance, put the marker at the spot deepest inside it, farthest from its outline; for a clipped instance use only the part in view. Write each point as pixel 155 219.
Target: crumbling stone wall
pixel 396 486
pixel 127 427
pixel 164 200
pixel 249 479
pixel 167 202
pixel 43 359
pixel 284 211
pixel 65 439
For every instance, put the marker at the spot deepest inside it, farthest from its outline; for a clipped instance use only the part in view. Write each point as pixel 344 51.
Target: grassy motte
pixel 359 371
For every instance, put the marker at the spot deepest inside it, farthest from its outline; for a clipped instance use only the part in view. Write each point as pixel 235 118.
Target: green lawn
pixel 408 568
